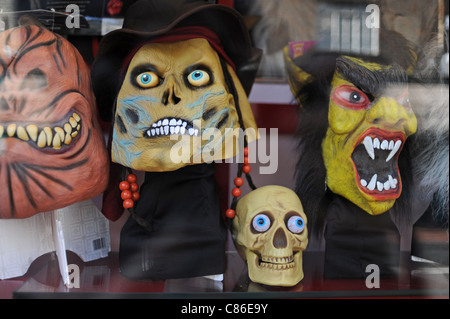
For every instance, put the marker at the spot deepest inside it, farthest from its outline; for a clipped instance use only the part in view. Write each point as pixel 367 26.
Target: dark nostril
pixel 175 99
pixel 165 98
pixel 170 97
pixel 280 240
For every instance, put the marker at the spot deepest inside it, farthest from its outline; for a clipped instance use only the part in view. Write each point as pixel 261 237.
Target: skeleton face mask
pixel 52 152
pixel 270 232
pixel 370 119
pixel 175 97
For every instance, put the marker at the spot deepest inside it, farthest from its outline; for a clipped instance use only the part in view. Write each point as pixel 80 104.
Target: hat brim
pixel 226 22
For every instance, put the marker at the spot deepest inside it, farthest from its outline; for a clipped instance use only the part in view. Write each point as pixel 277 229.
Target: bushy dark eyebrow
pixel 369 81
pixel 142 68
pixel 194 67
pixel 147 67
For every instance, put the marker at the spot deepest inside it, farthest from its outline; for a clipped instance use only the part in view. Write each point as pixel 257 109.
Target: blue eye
pixel 296 224
pixel 261 223
pixel 147 80
pixel 198 75
pixel 199 78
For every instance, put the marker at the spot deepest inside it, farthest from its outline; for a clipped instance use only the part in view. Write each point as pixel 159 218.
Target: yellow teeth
pixel 32 132
pixel 277 263
pixel 53 137
pixel 11 130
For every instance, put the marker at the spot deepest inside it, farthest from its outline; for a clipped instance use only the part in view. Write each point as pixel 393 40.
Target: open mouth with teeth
pixel 375 160
pixel 56 137
pixel 276 263
pixel 171 126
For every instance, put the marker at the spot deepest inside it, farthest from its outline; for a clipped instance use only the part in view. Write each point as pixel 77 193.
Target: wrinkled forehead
pixel 176 55
pixel 274 199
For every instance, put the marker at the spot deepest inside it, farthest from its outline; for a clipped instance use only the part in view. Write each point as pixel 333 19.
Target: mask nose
pixel 170 96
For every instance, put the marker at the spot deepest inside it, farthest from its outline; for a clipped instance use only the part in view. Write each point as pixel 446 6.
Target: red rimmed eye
pixel 350 97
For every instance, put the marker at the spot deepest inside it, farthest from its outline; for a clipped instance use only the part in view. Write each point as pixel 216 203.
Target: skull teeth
pixel 47 137
pixel 277 263
pixel 166 127
pixel 278 260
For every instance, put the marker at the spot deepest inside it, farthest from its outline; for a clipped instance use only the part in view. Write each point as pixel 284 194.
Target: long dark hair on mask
pixel 314 97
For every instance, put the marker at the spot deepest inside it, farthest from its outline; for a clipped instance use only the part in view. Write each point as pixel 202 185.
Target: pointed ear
pixel 246 110
pixel 296 77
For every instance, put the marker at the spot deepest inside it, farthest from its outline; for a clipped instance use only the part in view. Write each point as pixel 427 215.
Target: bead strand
pixel 130 193
pixel 239 182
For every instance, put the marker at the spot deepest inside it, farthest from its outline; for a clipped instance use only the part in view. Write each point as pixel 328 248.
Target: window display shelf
pixel 102 279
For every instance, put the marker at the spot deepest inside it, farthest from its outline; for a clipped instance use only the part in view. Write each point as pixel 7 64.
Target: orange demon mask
pixel 52 152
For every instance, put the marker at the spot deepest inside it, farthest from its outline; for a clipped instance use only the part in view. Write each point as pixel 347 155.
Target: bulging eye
pixel 350 97
pixel 261 223
pixel 147 80
pixel 296 225
pixel 199 78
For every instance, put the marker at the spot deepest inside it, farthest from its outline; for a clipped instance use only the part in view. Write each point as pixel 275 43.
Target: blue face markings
pixel 130 108
pixel 123 147
pixel 201 102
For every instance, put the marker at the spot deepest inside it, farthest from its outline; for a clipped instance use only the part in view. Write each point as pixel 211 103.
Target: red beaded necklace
pixel 130 188
pixel 239 182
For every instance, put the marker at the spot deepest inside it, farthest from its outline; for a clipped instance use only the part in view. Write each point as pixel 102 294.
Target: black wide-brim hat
pixel 147 19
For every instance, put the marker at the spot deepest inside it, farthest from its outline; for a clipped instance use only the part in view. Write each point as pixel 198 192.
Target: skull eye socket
pixel 199 78
pixel 147 80
pixel 296 225
pixel 261 223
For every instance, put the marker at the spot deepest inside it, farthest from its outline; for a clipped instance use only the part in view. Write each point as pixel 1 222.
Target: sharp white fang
pixel 159 123
pixel 177 130
pixel 172 130
pixel 166 130
pixel 364 183
pixel 173 122
pixel 387 186
pixel 373 183
pixel 157 131
pixel 182 130
pixel 153 132
pixel 376 143
pixel 385 145
pixel 179 122
pixel 191 131
pixel 165 122
pixel 184 124
pixel 369 147
pixel 397 146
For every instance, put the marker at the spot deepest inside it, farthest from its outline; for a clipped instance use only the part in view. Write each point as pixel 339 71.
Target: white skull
pixel 270 232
